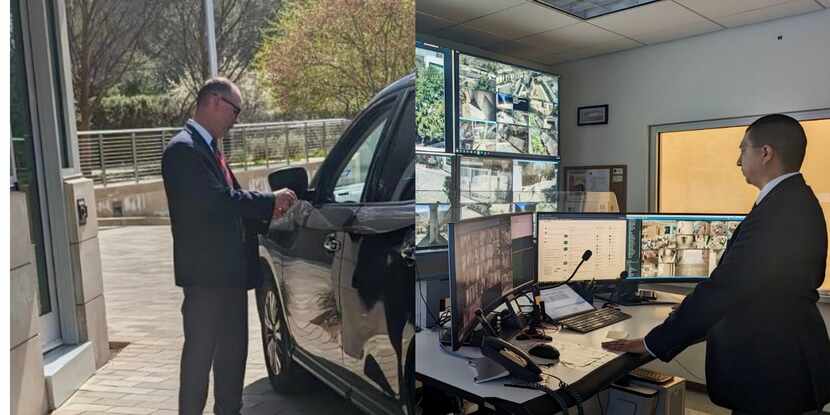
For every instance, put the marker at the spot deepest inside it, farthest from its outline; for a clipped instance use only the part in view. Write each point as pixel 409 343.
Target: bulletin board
pixel 610 178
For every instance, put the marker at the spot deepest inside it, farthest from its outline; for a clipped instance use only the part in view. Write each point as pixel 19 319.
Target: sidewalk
pixel 143 310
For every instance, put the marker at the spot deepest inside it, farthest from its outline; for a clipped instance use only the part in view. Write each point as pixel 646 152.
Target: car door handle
pixel 408 255
pixel 330 243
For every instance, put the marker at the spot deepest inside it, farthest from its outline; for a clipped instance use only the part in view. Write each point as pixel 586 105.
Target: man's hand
pixel 628 346
pixel 285 198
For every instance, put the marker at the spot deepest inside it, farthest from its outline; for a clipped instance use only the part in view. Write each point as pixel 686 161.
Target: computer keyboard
pixel 593 320
pixel 650 376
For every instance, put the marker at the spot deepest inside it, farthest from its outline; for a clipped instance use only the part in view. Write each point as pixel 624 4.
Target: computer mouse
pixel 545 351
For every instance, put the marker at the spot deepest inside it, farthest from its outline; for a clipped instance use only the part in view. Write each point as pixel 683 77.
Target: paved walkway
pixel 143 310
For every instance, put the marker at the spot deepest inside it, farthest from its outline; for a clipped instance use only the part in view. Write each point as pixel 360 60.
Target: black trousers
pixel 215 334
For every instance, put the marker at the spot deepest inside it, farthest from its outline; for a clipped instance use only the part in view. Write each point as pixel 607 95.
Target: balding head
pixel 218 104
pixel 216 85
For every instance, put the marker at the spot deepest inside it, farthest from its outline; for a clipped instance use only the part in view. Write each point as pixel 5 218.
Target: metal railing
pixel 118 156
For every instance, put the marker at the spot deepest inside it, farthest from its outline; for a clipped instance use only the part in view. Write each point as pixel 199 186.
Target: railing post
pixel 287 149
pixel 323 144
pixel 305 141
pixel 135 156
pixel 267 150
pixel 101 156
pixel 244 151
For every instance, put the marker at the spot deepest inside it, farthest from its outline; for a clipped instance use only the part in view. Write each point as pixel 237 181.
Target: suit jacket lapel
pixel 206 151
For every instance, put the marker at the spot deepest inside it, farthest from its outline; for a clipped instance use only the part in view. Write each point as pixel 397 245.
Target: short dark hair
pixel 216 85
pixel 782 133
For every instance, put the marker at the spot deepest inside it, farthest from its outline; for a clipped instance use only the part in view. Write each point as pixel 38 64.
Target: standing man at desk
pixel 767 347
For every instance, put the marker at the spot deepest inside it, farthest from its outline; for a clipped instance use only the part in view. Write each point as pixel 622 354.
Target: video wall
pixel 487 140
pixel 505 109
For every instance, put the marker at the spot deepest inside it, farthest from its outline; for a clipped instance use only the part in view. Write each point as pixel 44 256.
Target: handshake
pixel 284 199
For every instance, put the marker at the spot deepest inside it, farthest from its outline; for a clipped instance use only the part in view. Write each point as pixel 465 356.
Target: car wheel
pixel 276 342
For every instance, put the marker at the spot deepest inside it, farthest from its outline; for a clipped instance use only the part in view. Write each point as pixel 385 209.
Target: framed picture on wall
pixel 593 115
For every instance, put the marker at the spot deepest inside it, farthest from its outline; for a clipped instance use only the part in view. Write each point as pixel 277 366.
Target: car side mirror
pixel 294 178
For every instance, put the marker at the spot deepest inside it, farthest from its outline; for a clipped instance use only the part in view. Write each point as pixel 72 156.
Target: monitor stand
pixel 627 293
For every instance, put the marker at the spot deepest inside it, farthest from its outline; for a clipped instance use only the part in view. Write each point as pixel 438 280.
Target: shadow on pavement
pixel 311 396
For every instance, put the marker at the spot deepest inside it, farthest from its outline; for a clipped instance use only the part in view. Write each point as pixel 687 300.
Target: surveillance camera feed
pixel 489 185
pixel 433 179
pixel 506 109
pixel 430 115
pixel 481 268
pixel 677 246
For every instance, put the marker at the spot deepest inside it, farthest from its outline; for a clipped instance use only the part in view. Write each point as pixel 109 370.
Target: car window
pixel 397 166
pixel 351 180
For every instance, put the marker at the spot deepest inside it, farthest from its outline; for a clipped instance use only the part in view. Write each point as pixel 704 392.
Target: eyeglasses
pixel 236 109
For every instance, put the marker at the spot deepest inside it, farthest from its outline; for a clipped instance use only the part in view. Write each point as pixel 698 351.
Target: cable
pixel 426 305
pixel 469 359
pixel 599 401
pixel 687 370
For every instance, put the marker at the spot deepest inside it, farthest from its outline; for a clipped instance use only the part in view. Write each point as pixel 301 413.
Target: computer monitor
pixel 676 247
pixel 523 249
pixel 481 253
pixel 563 238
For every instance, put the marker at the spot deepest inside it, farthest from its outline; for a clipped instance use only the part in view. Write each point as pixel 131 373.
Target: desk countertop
pixel 453 372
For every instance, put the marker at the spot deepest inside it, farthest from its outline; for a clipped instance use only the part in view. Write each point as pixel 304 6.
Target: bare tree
pixel 106 39
pixel 180 41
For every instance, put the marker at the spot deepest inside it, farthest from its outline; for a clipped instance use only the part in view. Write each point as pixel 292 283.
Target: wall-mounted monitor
pixel 433 98
pixel 506 109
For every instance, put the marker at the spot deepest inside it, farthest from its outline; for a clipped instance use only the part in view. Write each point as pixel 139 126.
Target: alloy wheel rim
pixel 273 326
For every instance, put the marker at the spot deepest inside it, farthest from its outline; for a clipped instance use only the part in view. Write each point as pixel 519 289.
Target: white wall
pixel 731 73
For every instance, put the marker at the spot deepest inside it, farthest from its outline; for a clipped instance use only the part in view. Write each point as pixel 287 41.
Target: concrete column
pixel 28 388
pixel 86 264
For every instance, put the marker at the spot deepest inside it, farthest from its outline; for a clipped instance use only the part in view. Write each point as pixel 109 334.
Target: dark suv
pixel 339 268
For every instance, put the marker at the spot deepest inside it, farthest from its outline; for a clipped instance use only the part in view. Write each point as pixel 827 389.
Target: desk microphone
pixel 585 257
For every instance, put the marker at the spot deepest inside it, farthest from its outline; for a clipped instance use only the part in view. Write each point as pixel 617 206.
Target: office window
pixel 697 171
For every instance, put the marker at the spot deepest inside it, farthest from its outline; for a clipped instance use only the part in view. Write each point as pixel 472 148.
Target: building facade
pixel 58 317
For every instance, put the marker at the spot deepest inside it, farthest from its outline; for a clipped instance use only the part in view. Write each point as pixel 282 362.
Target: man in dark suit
pixel 215 226
pixel 767 348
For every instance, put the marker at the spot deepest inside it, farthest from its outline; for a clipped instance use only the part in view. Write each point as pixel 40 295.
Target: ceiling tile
pixel 790 8
pixel 579 35
pixel 677 32
pixel 720 8
pixel 591 51
pixel 522 20
pixel 425 23
pixel 515 49
pixel 651 18
pixel 462 10
pixel 470 37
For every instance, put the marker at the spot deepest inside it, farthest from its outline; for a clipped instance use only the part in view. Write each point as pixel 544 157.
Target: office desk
pixel 453 375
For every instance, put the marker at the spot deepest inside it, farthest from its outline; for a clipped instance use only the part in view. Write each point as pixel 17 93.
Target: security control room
pixel 622 207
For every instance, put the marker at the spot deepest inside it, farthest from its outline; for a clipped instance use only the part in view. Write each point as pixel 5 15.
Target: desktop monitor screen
pixel 564 238
pixel 523 249
pixel 480 269
pixel 676 248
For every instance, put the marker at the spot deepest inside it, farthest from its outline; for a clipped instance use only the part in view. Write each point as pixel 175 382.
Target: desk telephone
pixel 515 360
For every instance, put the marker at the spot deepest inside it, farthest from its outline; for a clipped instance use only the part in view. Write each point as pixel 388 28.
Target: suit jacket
pixel 767 346
pixel 214 225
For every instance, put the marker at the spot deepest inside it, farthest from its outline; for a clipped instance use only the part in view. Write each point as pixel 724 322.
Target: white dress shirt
pixel 771 185
pixel 202 131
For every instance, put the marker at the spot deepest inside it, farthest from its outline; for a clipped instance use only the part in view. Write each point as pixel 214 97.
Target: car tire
pixel 276 341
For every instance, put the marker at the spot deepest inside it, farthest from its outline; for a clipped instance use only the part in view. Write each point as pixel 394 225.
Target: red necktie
pixel 220 159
